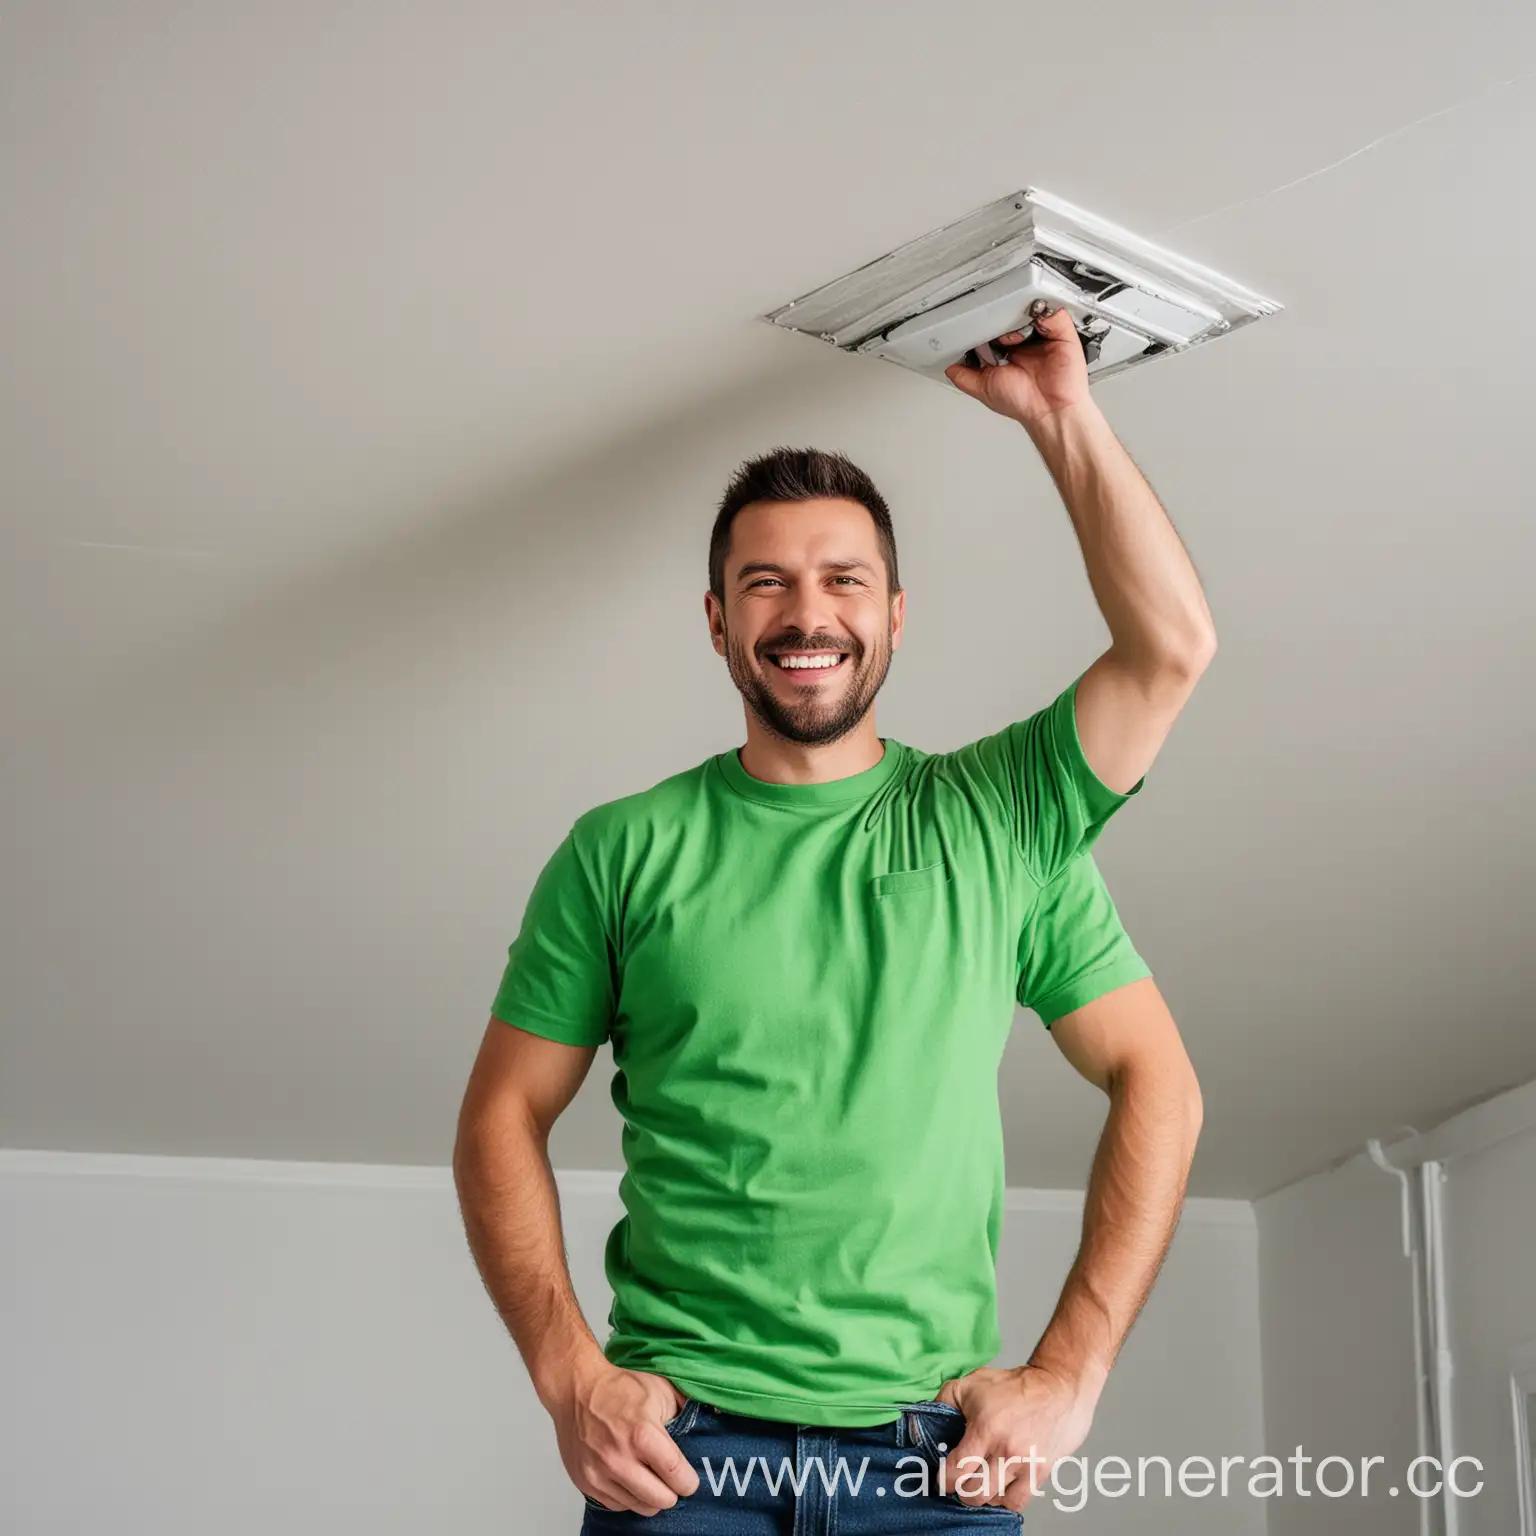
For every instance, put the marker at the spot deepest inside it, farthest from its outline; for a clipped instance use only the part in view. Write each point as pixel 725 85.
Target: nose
pixel 807 608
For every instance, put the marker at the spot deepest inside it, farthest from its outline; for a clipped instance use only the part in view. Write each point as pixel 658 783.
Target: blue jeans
pixel 759 1477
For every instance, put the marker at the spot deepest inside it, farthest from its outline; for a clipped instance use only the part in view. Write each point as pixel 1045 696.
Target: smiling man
pixel 806 953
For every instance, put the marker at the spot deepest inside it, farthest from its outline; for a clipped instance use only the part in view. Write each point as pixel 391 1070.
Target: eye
pixel 760 580
pixel 854 579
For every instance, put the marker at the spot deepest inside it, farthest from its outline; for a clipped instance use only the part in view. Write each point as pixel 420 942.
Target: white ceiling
pixel 369 378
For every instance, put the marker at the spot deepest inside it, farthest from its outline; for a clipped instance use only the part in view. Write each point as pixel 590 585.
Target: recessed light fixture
pixel 942 298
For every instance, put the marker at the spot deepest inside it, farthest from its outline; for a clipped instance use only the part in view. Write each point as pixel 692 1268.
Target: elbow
pixel 1184 659
pixel 1202 649
pixel 1188 1108
pixel 1168 667
pixel 463 1157
pixel 470 1142
pixel 1168 1092
pixel 1194 1109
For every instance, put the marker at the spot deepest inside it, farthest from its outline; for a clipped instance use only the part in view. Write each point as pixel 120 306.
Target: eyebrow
pixel 757 567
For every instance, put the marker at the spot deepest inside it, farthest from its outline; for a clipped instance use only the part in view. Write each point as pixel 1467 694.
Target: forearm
pixel 1134 1196
pixel 511 1214
pixel 1142 577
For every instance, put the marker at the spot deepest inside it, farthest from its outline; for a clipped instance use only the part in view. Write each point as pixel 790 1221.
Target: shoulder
pixel 620 843
pixel 612 824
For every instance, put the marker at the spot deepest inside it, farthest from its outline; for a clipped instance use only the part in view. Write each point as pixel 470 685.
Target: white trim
pixel 1198 1210
pixel 1505 1115
pixel 1484 1125
pixel 259 1170
pixel 1522 1384
pixel 223 1170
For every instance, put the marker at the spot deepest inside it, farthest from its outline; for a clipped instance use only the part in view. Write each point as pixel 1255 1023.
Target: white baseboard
pixel 586 1181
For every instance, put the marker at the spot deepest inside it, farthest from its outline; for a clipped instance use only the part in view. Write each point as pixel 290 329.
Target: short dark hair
pixel 798 474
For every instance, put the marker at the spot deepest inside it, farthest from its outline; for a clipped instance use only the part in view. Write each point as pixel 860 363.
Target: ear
pixel 898 617
pixel 716 616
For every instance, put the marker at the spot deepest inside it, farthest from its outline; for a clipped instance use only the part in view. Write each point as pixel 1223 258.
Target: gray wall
pixel 1336 1302
pixel 1490 1241
pixel 194 1346
pixel 1188 1380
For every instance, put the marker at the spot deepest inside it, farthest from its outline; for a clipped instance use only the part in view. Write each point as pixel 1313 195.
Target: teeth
pixel 800 663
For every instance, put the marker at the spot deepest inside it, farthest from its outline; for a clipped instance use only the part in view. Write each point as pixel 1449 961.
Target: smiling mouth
pixel 808 666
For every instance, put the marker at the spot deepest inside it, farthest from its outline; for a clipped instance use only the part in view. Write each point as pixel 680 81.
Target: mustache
pixel 787 645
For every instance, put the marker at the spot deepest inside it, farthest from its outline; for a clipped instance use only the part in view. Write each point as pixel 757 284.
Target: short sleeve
pixel 560 977
pixel 1073 948
pixel 1032 776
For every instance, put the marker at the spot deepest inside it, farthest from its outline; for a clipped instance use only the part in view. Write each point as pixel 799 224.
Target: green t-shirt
pixel 808 989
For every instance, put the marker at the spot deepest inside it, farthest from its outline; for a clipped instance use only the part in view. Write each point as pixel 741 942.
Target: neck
pixel 776 761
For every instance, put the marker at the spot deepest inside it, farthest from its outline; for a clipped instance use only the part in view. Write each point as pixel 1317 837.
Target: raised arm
pixel 607 1420
pixel 1161 633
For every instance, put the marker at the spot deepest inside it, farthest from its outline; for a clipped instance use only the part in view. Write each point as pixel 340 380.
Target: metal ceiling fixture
pixel 942 298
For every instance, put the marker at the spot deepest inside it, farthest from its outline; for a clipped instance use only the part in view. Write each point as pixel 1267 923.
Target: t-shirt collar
pixel 846 791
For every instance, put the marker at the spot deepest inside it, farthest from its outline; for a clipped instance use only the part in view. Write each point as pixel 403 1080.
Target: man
pixel 806 953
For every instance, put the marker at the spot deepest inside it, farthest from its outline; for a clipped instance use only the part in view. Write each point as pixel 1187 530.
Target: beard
pixel 822 716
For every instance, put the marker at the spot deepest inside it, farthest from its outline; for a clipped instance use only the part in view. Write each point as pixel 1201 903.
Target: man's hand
pixel 613 1444
pixel 1043 376
pixel 1018 1425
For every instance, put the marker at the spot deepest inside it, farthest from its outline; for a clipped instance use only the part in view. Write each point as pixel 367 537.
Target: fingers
pixel 650 1481
pixel 967 380
pixel 1018 1494
pixel 983 1481
pixel 962 1464
pixel 1056 326
pixel 631 1495
pixel 660 1452
pixel 634 1487
pixel 1047 324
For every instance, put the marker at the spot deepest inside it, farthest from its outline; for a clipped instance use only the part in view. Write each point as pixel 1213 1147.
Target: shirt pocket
pixel 898 882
